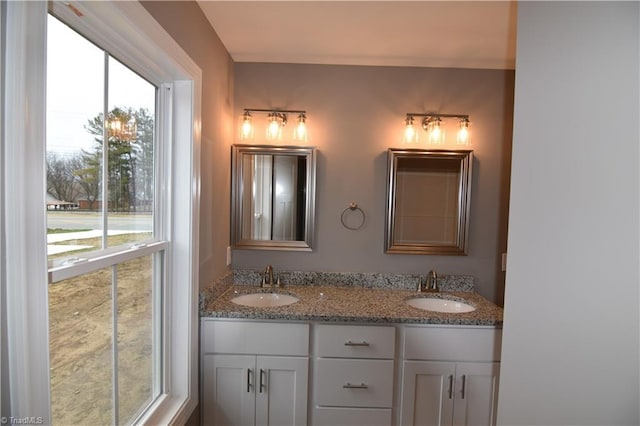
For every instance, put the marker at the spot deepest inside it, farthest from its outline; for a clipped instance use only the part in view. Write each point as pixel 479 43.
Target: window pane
pixel 75 94
pixel 137 353
pixel 80 346
pixel 131 167
pixel 75 154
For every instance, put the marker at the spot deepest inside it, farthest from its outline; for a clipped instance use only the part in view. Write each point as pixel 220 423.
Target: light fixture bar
pixel 277 111
pixel 433 115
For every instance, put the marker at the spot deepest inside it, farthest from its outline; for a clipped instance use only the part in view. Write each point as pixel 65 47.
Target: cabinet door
pixel 476 393
pixel 427 393
pixel 228 396
pixel 281 391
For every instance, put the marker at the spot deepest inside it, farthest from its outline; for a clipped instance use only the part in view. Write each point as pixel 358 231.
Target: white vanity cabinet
pixel 258 373
pixel 254 373
pixel 450 376
pixel 353 380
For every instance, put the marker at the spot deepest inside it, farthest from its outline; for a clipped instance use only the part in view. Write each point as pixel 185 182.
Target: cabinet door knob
pixel 350 343
pixel 350 386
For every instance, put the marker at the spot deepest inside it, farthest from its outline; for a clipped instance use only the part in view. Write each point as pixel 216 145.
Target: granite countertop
pixel 352 304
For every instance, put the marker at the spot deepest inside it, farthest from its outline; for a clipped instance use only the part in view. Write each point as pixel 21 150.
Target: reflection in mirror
pixel 428 201
pixel 273 197
pixel 274 208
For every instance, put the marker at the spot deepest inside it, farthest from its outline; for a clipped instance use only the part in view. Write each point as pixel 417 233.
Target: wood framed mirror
pixel 272 197
pixel 428 201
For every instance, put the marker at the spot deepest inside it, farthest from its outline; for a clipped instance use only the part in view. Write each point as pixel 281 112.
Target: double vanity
pixel 328 354
pixel 339 349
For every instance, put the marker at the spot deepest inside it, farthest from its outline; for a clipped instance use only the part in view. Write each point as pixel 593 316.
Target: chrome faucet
pixel 432 281
pixel 267 279
pixel 430 284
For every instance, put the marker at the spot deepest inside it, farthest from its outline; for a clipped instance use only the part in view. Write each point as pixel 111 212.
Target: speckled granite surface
pixel 351 304
pixel 356 279
pixel 215 290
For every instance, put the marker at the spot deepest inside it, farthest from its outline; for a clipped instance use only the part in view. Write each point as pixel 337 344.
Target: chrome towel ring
pixel 353 207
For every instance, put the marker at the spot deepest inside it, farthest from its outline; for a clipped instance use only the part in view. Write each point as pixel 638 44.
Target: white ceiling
pixel 456 34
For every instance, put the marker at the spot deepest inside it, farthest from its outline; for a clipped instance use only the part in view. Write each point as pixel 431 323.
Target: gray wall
pixel 355 114
pixel 186 23
pixel 571 324
pixel 189 27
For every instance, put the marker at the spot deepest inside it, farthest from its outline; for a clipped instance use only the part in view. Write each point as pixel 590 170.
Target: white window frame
pixel 126 30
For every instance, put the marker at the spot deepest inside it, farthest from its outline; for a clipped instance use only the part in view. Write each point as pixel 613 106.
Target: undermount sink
pixel 264 300
pixel 440 305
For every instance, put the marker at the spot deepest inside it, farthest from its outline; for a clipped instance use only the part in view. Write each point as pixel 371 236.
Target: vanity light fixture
pixel 276 121
pixel 433 125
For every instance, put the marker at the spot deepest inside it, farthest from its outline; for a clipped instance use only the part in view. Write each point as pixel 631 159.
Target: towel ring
pixel 353 207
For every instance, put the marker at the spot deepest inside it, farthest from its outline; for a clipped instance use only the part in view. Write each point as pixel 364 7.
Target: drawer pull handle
pixel 350 343
pixel 450 386
pixel 249 372
pixel 350 386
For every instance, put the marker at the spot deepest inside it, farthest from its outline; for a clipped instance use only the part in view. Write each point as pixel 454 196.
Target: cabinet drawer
pixel 354 382
pixel 452 344
pixel 332 416
pixel 359 341
pixel 246 337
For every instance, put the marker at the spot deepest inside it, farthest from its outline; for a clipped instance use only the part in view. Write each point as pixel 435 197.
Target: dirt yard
pixel 81 345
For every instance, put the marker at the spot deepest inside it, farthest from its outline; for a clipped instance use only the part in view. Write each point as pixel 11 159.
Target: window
pixel 101 322
pixel 105 284
pixel 85 84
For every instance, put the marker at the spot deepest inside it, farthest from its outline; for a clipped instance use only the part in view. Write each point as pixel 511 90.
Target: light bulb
pixel 300 131
pixel 246 131
pixel 436 134
pixel 273 129
pixel 410 133
pixel 463 134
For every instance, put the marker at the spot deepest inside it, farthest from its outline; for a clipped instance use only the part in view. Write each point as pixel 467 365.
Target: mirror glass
pixel 428 201
pixel 273 197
